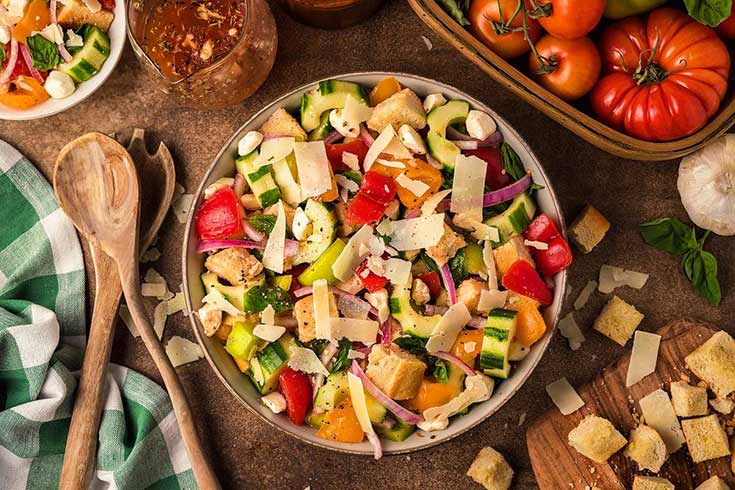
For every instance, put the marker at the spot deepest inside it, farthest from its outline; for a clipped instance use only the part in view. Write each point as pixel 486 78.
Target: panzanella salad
pixel 376 262
pixel 47 47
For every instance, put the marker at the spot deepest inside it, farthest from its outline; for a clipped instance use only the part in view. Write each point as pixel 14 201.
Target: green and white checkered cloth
pixel 42 339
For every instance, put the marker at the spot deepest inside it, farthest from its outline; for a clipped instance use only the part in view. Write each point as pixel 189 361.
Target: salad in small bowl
pixel 372 259
pixel 55 53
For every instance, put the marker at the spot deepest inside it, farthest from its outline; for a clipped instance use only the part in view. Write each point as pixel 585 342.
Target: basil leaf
pixel 439 370
pixel 511 161
pixel 429 263
pixel 2 55
pixel 709 12
pixel 44 53
pixel 701 269
pixel 414 345
pixel 354 176
pixel 264 223
pixel 669 235
pixel 342 360
pixel 455 11
pixel 259 297
pixel 458 267
pixel 318 346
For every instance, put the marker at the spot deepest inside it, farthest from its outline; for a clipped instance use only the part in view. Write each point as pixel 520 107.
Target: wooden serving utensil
pixel 158 182
pixel 96 183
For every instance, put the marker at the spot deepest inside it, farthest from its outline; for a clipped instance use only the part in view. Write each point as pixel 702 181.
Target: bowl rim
pixel 190 220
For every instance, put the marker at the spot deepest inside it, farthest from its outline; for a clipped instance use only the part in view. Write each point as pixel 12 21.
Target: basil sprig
pixel 44 53
pixel 676 238
pixel 709 12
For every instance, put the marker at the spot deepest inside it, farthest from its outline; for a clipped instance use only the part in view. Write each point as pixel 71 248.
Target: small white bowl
pixel 84 89
pixel 240 385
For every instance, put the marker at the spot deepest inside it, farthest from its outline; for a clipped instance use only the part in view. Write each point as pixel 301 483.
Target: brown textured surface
pixel 249 454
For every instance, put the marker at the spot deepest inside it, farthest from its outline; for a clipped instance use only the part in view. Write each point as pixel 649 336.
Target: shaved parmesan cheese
pixel 159 319
pixel 153 289
pixel 94 6
pixel 478 388
pixel 376 246
pixel 446 330
pixel 354 329
pixel 355 112
pixel 306 361
pixel 490 300
pixel 273 254
pixel 478 229
pixel 182 351
pixel 273 150
pixel 351 160
pixel 468 186
pixel 348 260
pixel 614 277
pixel 398 271
pixel 644 357
pixel 313 168
pixel 431 203
pixel 177 304
pixel 271 333
pixel 379 299
pixel 386 142
pixel 536 244
pixel 355 354
pixel 290 189
pixel 181 207
pixel 320 291
pixel 584 295
pixel 489 258
pixel 150 255
pixel 398 149
pixel 415 187
pixel 570 330
pixel 413 233
pixel 390 163
pixel 214 297
pixel 257 371
pixel 268 316
pixel 127 319
pixel 658 413
pixel 346 183
pixel 357 394
pixel 564 396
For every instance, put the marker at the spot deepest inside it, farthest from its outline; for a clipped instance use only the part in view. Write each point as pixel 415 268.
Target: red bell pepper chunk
pixel 296 388
pixel 432 281
pixel 523 279
pixel 555 259
pixel 541 229
pixel 334 154
pixel 496 177
pixel 220 216
pixel 363 210
pixel 370 280
pixel 378 187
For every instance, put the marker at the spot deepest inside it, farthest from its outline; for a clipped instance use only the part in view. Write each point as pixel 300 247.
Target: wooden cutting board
pixel 558 466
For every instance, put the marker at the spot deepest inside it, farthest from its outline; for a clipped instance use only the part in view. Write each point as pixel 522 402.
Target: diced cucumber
pixel 331 94
pixel 499 332
pixel 514 220
pixel 324 226
pixel 88 61
pixel 284 173
pixel 322 267
pixel 233 294
pixel 399 432
pixel 334 389
pixel 412 322
pixel 315 420
pixel 438 119
pixel 242 343
pixel 283 282
pixel 474 260
pixel 260 179
pixel 321 131
pixel 376 410
pixel 270 362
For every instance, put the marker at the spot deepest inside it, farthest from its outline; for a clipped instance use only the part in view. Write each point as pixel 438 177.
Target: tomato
pixel 432 281
pixel 296 388
pixel 370 281
pixel 219 216
pixel 37 16
pixel 523 279
pixel 363 210
pixel 380 188
pixel 555 259
pixel 567 19
pixel 496 177
pixel 676 86
pixel 334 153
pixel 23 93
pixel 726 28
pixel 541 229
pixel 568 68
pixel 484 17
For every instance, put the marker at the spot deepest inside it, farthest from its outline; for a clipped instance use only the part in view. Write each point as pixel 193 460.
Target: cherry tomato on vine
pixel 485 19
pixel 567 19
pixel 568 68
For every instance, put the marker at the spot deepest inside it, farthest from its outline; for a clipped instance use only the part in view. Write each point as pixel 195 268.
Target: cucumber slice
pixel 399 432
pixel 242 343
pixel 284 172
pixel 474 260
pixel 500 330
pixel 315 420
pixel 270 362
pixel 438 119
pixel 321 131
pixel 331 94
pixel 322 267
pixel 514 220
pixel 87 62
pixel 260 180
pixel 412 322
pixel 333 390
pixel 233 294
pixel 324 224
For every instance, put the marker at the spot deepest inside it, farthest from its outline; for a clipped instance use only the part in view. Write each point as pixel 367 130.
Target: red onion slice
pixel 386 331
pixel 251 232
pixel 291 248
pixel 508 192
pixel 12 60
pixel 475 321
pixel 208 245
pixel 66 55
pixel 465 145
pixel 493 140
pixel 332 137
pixel 29 63
pixel 239 185
pixel 455 360
pixel 399 411
pixel 448 280
pixel 52 9
pixel 377 447
pixel 367 138
pixel 307 290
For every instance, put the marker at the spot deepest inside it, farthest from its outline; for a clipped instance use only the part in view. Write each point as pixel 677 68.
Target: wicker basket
pixel 573 118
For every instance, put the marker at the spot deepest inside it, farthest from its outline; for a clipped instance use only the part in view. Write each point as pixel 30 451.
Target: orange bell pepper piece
pixel 341 424
pixel 415 170
pixel 23 93
pixel 37 16
pixel 468 336
pixel 333 192
pixel 431 394
pixel 384 89
pixel 530 323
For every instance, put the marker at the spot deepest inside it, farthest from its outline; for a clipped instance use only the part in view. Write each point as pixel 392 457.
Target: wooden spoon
pixel 159 180
pixel 97 186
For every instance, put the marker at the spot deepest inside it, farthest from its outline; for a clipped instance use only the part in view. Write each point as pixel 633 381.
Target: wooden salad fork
pixel 97 186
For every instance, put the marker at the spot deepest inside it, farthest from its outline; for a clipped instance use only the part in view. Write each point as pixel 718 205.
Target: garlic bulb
pixel 707 185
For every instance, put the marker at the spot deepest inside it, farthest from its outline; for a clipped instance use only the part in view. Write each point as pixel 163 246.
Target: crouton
pixel 588 229
pixel 420 292
pixel 469 292
pixel 714 363
pixel 304 312
pixel 647 448
pixel 211 318
pixel 706 439
pixel 396 372
pixel 725 406
pixel 344 229
pixel 596 438
pixel 223 332
pixel 491 470
pixel 688 400
pixel 510 252
pixel 446 247
pixel 401 108
pixel 652 483
pixel 235 265
pixel 73 13
pixel 714 483
pixel 281 123
pixel 618 320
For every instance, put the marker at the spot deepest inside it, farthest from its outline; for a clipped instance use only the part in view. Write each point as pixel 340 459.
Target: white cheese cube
pixel 275 401
pixel 480 125
pixel 59 85
pixel 249 143
pixel 433 100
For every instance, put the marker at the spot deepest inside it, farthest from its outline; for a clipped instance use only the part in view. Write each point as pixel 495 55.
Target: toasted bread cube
pixel 236 265
pixel 596 438
pixel 618 320
pixel 491 470
pixel 706 439
pixel 396 372
pixel 714 483
pixel 447 246
pixel 588 229
pixel 688 400
pixel 652 483
pixel 647 448
pixel 282 123
pixel 508 253
pixel 714 363
pixel 401 108
pixel 304 313
pixel 75 14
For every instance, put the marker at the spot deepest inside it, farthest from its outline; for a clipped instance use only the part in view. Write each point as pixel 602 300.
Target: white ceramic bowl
pixel 240 385
pixel 84 89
